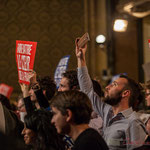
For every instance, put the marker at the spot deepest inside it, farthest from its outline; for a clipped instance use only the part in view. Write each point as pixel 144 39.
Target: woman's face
pixel 147 96
pixel 29 135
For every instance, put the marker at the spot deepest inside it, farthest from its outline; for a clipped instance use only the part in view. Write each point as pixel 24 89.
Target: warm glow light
pixel 100 39
pixel 120 25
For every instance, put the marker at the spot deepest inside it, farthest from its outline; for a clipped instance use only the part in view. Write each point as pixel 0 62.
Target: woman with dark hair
pixel 40 133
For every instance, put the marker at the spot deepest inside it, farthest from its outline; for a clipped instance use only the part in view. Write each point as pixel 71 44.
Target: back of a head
pixel 136 89
pixel 46 83
pixel 40 122
pixel 75 101
pixel 71 75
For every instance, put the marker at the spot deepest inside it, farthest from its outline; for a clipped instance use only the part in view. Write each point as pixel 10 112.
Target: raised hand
pixel 80 52
pixel 24 89
pixel 32 76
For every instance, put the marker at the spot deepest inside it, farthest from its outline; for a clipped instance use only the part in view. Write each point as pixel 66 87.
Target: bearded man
pixel 122 129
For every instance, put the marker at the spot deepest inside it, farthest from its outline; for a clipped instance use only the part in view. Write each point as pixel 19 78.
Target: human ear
pixel 125 93
pixel 69 115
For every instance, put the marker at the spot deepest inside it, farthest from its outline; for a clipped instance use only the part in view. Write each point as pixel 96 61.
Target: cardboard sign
pixel 61 68
pixel 83 40
pixel 6 90
pixel 25 53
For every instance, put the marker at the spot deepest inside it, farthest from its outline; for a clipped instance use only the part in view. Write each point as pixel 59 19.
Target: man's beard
pixel 113 101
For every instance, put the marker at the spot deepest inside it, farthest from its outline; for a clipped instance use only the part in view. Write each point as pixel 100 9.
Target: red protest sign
pixel 6 90
pixel 25 54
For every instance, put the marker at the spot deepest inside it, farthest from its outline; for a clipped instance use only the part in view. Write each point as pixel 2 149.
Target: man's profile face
pixel 64 85
pixel 113 92
pixel 60 122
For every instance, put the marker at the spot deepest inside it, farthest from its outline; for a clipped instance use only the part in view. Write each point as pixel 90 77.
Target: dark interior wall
pixel 126 51
pixel 54 24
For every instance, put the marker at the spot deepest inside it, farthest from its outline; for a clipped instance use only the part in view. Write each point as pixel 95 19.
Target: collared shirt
pixel 121 132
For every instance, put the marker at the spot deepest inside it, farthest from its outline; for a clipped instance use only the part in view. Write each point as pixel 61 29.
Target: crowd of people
pixel 78 115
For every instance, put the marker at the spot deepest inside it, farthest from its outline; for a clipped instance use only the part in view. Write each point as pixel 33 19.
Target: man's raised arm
pixel 85 82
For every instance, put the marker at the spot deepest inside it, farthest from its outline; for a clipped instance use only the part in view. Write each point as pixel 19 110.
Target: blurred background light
pixel 120 25
pixel 100 39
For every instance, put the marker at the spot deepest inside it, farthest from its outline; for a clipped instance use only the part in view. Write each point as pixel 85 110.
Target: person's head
pixel 147 93
pixel 70 108
pixel 69 81
pixel 124 88
pixel 21 109
pixel 39 132
pixel 20 104
pixel 47 85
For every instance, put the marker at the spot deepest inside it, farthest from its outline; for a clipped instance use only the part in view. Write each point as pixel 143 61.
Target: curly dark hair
pixel 71 75
pixel 46 83
pixel 46 135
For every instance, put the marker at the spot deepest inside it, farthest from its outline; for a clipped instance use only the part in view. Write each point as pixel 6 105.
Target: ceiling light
pixel 120 25
pixel 100 39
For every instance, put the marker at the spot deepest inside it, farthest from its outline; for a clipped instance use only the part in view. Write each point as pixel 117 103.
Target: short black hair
pixel 71 75
pixel 47 83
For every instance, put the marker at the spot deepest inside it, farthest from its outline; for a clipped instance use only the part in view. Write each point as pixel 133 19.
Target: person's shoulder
pixel 134 120
pixel 90 134
pixel 134 116
pixel 90 139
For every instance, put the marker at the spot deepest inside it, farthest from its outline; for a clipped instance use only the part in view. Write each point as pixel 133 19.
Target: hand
pixel 32 76
pixel 24 89
pixel 80 52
